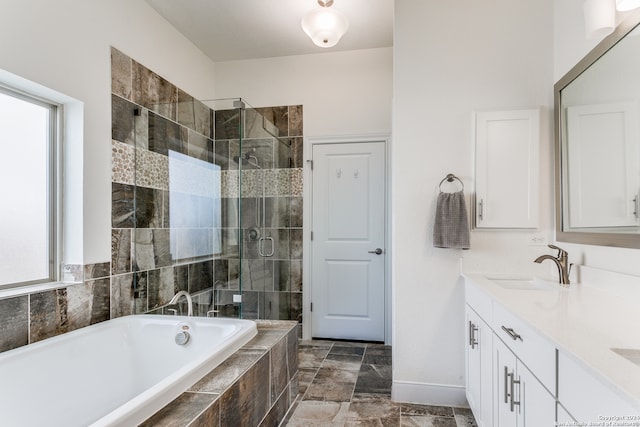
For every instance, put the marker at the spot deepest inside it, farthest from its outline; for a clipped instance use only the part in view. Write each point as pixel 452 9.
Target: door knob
pixel 378 251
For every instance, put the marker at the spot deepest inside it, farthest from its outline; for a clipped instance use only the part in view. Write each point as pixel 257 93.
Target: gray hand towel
pixel 451 228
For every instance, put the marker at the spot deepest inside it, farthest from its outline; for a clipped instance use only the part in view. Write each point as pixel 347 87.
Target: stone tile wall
pixel 29 318
pixel 177 152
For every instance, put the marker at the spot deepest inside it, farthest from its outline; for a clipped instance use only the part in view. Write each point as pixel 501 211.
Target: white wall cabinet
pixel 506 168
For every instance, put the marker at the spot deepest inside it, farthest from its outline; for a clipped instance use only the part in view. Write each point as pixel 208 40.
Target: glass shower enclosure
pixel 211 212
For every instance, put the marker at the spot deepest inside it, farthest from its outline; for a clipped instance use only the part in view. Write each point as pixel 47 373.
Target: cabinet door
pixel 473 361
pixel 506 413
pixel 479 368
pixel 537 406
pixel 507 145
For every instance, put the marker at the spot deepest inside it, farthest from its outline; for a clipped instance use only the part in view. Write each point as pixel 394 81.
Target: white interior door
pixel 348 246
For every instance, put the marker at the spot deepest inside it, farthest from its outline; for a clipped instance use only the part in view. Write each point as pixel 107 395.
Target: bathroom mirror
pixel 597 130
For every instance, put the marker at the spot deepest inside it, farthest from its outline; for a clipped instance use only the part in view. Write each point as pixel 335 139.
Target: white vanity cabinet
pixel 479 368
pixel 501 389
pixel 506 168
pixel 519 399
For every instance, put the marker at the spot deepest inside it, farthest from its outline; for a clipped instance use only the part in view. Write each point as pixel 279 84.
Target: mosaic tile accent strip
pixel 277 182
pixel 152 169
pixel 296 182
pixel 122 163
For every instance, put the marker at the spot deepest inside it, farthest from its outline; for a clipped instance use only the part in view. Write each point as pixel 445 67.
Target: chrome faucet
pixel 561 262
pixel 185 294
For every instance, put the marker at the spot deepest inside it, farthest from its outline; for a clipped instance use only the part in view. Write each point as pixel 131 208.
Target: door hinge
pixel 310 163
pixel 312 307
pixel 312 235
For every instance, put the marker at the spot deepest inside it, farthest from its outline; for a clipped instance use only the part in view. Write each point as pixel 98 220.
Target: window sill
pixel 32 289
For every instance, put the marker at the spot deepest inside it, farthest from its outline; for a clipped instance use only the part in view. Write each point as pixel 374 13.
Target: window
pixel 28 189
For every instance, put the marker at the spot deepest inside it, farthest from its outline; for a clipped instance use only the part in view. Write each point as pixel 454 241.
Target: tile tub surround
pixel 150 240
pixel 254 387
pixel 349 384
pixel 34 316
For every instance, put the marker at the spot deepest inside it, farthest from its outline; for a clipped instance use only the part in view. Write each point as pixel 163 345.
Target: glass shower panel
pixel 265 177
pixel 211 210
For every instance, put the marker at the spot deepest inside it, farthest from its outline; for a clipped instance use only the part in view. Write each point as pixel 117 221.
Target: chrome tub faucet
pixel 185 294
pixel 561 261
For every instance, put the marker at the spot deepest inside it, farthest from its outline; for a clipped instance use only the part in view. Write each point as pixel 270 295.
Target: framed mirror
pixel 597 132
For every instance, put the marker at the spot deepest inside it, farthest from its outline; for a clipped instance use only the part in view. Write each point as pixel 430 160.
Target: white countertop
pixel 584 321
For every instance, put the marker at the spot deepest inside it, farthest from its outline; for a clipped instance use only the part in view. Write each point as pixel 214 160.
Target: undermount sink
pixel 631 354
pixel 524 284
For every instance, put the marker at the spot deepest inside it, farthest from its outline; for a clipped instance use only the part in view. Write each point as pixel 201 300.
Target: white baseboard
pixel 429 394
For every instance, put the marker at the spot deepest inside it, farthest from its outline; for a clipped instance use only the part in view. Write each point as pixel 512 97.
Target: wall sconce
pixel 325 26
pixel 600 17
pixel 625 5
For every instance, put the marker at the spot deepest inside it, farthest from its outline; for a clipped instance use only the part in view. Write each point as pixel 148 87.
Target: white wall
pixel 570 46
pixel 451 58
pixel 342 92
pixel 64 45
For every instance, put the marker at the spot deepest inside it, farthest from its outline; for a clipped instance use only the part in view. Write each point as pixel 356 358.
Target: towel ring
pixel 450 178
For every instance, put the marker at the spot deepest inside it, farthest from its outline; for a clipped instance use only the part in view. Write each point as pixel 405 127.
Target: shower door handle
pixel 261 251
pixel 378 251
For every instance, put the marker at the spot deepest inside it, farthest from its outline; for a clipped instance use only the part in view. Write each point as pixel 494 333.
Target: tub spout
pixel 561 261
pixel 185 294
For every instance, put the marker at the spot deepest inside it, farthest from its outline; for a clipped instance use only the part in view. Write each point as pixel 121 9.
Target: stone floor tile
pixel 374 407
pixel 305 376
pixel 426 421
pixel 312 411
pixel 374 379
pixel 347 362
pixel 341 348
pixel 464 417
pixel 438 411
pixel 377 356
pixel 311 357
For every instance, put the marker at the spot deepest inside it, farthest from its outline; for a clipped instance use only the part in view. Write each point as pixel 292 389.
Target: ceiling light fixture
pixel 624 5
pixel 325 26
pixel 599 18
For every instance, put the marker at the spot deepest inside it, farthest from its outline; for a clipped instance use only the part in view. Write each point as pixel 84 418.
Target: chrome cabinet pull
pixel 473 342
pixel 378 251
pixel 514 336
pixel 514 403
pixel 506 384
pixel 635 207
pixel 481 210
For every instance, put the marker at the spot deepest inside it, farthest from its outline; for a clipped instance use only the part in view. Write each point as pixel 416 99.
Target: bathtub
pixel 114 373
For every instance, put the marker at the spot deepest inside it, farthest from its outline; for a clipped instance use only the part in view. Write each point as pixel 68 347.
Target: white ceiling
pixel 244 29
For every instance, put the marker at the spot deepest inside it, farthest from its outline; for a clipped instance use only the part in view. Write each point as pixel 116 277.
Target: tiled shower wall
pixel 171 120
pixel 159 249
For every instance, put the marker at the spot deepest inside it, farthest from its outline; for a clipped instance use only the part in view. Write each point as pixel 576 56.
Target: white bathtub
pixel 115 373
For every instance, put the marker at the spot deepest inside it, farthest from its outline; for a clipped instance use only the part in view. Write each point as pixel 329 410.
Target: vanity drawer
pixel 530 347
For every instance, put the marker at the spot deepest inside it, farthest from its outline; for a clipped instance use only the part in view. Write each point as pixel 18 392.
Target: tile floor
pixel 349 384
